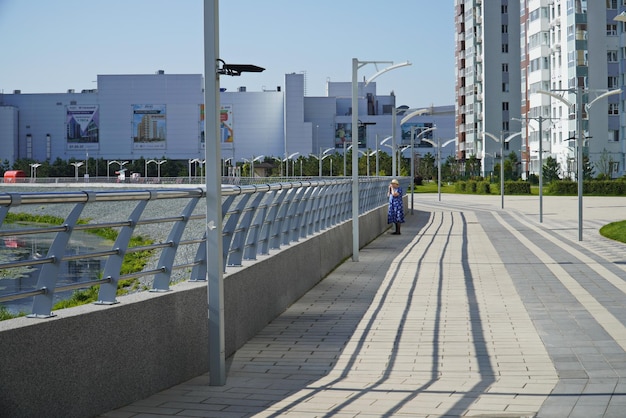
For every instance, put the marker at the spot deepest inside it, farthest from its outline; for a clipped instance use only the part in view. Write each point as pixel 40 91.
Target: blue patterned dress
pixel 396 209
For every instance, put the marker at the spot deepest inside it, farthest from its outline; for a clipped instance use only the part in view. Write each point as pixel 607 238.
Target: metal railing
pixel 257 218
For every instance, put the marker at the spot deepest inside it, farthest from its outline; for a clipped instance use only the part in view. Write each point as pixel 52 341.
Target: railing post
pixel 49 273
pixel 166 261
pixel 108 291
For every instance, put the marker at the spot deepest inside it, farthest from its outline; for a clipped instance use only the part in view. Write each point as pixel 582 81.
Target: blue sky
pixel 52 46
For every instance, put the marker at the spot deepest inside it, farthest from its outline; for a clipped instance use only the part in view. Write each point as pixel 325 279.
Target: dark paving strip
pixel 589 362
pixel 611 297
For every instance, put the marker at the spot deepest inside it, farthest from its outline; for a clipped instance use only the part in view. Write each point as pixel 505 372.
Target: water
pixel 15 248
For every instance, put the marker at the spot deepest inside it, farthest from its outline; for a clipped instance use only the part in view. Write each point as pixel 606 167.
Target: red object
pixel 11 175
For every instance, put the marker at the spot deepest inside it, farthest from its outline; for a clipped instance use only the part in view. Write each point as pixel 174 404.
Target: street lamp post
pixel 191 161
pixel 383 142
pixel 368 155
pixel 120 163
pixel 439 145
pixel 200 165
pixel 158 163
pixel 224 173
pixel 413 137
pixel 579 139
pixel 251 161
pixel 320 158
pixel 76 165
pixel 33 170
pixel 405 119
pixel 286 161
pixel 356 64
pixel 502 141
pixel 212 154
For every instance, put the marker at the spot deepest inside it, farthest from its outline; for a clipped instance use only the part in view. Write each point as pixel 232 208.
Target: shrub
pixel 563 187
pixel 516 187
pixel 483 187
pixel 590 187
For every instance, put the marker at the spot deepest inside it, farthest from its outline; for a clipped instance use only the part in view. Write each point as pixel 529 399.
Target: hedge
pixel 590 187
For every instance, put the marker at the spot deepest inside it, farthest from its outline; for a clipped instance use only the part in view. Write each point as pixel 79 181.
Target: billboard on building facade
pixel 418 128
pixel 82 126
pixel 343 135
pixel 149 126
pixel 226 125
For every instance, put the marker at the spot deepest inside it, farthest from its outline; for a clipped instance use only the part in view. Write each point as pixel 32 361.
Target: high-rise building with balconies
pixel 488 88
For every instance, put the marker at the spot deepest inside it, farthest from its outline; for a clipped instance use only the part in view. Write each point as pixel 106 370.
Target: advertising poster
pixel 149 127
pixel 418 128
pixel 343 135
pixel 226 125
pixel 82 127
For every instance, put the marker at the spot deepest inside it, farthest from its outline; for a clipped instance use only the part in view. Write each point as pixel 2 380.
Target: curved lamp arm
pixel 412 114
pixel 381 72
pixel 602 96
pixel 556 96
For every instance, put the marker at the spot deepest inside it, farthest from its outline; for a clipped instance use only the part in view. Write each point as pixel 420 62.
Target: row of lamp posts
pixel 213 179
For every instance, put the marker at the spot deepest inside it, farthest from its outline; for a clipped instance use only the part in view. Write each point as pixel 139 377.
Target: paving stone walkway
pixel 473 311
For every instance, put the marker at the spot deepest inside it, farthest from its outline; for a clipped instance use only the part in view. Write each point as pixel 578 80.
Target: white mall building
pixel 162 116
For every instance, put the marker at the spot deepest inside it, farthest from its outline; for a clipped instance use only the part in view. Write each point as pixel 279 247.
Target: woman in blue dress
pixel 395 215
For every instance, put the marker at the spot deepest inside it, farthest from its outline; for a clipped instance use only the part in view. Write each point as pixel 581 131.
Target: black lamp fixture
pixel 237 69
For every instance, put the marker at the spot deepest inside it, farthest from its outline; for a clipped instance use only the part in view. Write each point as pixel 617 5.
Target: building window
pixel 505 87
pixel 505 68
pixel 611 29
pixel 613 82
pixel 505 48
pixel 505 128
pixel 505 106
pixel 613 108
pixel 611 4
pixel 611 56
pixel 505 28
pixel 613 135
pixel 504 9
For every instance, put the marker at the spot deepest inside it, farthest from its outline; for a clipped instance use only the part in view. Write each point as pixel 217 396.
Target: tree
pixel 510 167
pixel 426 167
pixel 604 165
pixel 472 166
pixel 450 170
pixel 551 170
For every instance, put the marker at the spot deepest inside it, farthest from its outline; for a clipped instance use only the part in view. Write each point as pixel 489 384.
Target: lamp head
pixel 237 69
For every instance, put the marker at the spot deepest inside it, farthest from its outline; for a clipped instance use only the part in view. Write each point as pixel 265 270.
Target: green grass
pixel 133 262
pixel 431 187
pixel 615 231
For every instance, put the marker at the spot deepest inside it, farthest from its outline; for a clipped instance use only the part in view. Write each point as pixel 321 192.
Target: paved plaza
pixel 473 311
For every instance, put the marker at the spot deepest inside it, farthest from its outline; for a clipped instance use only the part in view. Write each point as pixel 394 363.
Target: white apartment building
pixel 488 79
pixel 571 48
